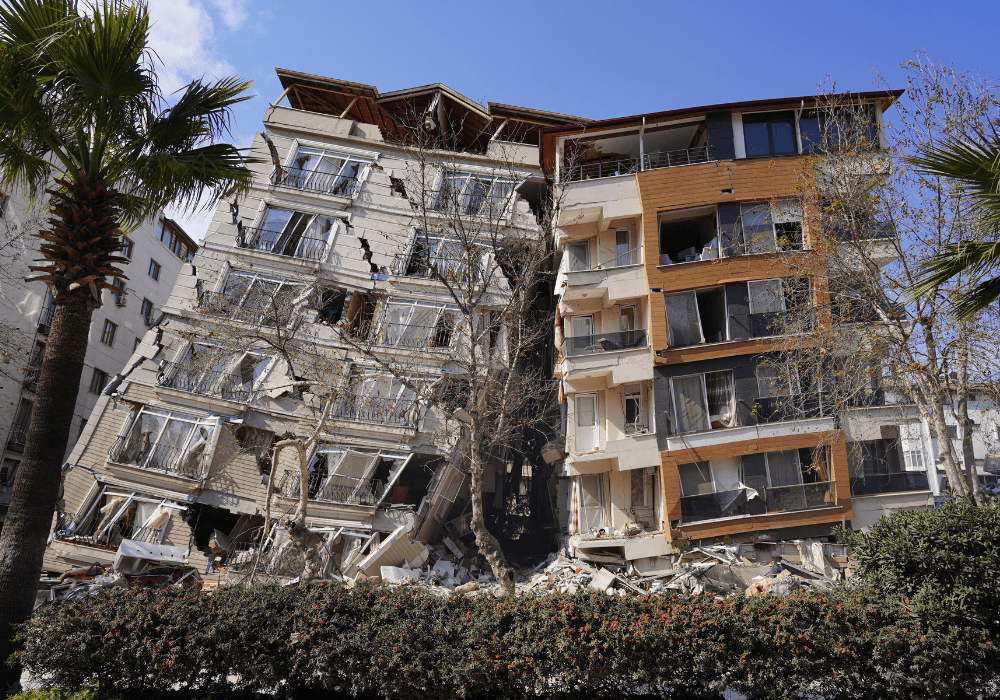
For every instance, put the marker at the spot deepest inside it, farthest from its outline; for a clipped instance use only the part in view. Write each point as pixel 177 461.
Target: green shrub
pixel 946 562
pixel 376 641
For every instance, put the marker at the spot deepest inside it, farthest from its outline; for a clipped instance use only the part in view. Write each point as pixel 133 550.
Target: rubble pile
pixel 80 583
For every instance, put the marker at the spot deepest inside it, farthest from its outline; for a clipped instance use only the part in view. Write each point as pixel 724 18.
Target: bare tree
pixel 853 334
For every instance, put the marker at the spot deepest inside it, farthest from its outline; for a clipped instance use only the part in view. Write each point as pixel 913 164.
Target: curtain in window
pixel 579 257
pixel 783 468
pixel 758 230
pixel 271 228
pixel 692 413
pixel 396 316
pixel 696 478
pixel 683 324
pixel 721 398
pixel 420 326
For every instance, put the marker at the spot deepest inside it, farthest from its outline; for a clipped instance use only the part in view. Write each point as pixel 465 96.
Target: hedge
pixel 380 641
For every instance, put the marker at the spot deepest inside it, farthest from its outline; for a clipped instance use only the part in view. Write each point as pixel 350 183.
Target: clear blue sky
pixel 596 60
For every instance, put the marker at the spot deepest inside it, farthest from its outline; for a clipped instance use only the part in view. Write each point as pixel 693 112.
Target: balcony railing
pixel 774 409
pixel 206 382
pixel 161 458
pixel 278 243
pixel 316 181
pixel 254 311
pixel 605 342
pixel 336 488
pixel 721 504
pixel 870 484
pixel 95 531
pixel 412 336
pixel 603 168
pixel 799 497
pixel 685 156
pixel 374 409
pixel 45 320
pixel 452 268
pixel 18 436
pixel 30 382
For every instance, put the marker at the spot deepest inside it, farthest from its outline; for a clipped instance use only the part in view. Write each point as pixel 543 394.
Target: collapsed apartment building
pixel 298 286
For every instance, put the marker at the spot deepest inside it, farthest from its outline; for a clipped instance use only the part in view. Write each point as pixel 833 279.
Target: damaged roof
pixel 389 111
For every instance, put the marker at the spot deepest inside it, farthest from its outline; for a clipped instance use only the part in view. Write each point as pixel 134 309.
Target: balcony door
pixel 581 334
pixel 626 247
pixel 579 256
pixel 586 423
pixel 591 510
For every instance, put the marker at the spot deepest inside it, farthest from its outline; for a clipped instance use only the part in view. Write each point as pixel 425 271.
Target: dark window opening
pixel 769 134
pixel 789 235
pixel 850 127
pixel 98 381
pixel 688 240
pixel 330 303
pixel 361 315
pixel 443 330
pixel 712 313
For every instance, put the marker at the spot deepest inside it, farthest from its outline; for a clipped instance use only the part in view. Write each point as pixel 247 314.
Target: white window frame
pixel 633 253
pixel 585 245
pixel 202 368
pixel 213 423
pixel 338 222
pixel 704 395
pixel 255 278
pixel 411 305
pixel 349 155
pixel 639 427
pixel 375 455
pixel 467 177
pixel 585 513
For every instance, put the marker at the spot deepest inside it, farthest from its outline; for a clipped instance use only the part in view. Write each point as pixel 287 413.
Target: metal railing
pixel 685 156
pixel 871 484
pixel 605 342
pixel 45 320
pixel 453 268
pixel 264 312
pixel 18 436
pixel 162 458
pixel 278 243
pixel 820 404
pixel 782 499
pixel 602 168
pixel 336 488
pixel 206 382
pixel 215 303
pixel 374 409
pixel 30 382
pixel 316 181
pixel 96 531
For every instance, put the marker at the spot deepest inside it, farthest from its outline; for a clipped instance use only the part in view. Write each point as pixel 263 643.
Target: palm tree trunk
pixel 36 487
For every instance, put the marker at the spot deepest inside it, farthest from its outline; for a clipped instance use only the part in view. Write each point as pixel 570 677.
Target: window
pixel 127 247
pixel 628 249
pixel 696 317
pixel 640 489
pixel 218 371
pixel 587 439
pixel 118 291
pixel 19 429
pixel 117 514
pixel 953 432
pixel 259 299
pixel 704 402
pixel 770 302
pixel 688 237
pixel 850 127
pixel 108 334
pixel 769 134
pixel 767 227
pixel 135 345
pixel 293 234
pixel 147 309
pixel 579 256
pixel 173 240
pixel 7 470
pixel 432 255
pixel 83 425
pixel 154 269
pixel 324 171
pixel 345 474
pixel 472 194
pixel 591 510
pixel 375 397
pixel 635 418
pixel 914 459
pixel 98 380
pixel 166 441
pixel 417 324
pixel 696 479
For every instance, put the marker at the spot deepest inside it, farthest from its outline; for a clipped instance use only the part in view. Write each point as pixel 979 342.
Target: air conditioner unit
pixel 120 300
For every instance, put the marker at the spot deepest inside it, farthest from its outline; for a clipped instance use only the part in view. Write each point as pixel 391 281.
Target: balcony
pixel 433 336
pixel 335 488
pixel 605 342
pixel 18 436
pixel 376 410
pixel 685 156
pixel 278 243
pixel 90 532
pixel 747 501
pixel 161 458
pixel 775 409
pixel 454 268
pixel 873 484
pixel 258 311
pixel 609 283
pixel 317 181
pixel 207 383
pixel 611 167
pixel 30 382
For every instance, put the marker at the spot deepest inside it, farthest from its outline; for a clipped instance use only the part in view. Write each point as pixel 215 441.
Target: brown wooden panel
pixel 762 523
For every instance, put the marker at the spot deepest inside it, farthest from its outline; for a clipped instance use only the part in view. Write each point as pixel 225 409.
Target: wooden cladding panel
pixel 670 479
pixel 762 523
pixel 697 353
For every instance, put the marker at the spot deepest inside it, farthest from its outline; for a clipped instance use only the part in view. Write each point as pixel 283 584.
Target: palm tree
pixel 973 164
pixel 80 107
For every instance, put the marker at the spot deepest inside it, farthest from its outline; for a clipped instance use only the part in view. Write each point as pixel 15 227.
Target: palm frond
pixel 973 163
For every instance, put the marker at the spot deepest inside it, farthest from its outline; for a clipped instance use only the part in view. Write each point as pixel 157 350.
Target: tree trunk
pixel 33 500
pixel 488 545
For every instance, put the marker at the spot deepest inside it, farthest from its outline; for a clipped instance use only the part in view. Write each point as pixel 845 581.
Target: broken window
pixel 376 397
pixel 167 441
pixel 635 416
pixel 292 233
pixel 591 509
pixel 776 306
pixel 797 480
pixel 767 227
pixel 417 324
pixel 116 514
pixel 696 317
pixel 254 298
pixel 346 474
pixel 688 239
pixel 704 401
pixel 324 171
pixel 218 371
pixel 256 442
pixel 433 255
pixel 473 194
pixel 329 302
